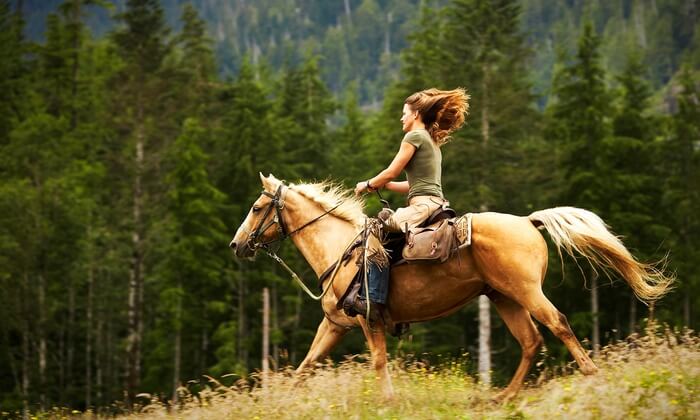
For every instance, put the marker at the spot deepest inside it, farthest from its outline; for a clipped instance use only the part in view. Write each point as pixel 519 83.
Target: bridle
pixel 277 203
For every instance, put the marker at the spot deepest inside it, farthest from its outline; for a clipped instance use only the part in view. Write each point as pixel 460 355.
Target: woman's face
pixel 408 118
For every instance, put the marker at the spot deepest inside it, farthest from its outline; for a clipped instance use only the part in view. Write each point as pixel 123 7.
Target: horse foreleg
pixel 327 336
pixel 376 341
pixel 520 324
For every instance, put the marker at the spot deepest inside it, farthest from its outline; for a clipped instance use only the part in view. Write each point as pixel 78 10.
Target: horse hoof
pixel 502 397
pixel 589 370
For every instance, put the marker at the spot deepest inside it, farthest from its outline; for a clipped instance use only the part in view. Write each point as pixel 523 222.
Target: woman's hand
pixel 361 187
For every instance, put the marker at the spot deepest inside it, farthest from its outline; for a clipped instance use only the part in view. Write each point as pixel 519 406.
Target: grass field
pixel 656 376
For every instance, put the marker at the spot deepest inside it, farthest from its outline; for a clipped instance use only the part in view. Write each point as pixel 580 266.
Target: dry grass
pixel 656 376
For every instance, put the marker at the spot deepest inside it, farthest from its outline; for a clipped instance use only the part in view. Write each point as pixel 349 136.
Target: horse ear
pixel 269 183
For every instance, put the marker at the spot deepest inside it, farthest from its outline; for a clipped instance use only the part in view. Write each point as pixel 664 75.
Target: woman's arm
pixel 394 169
pixel 399 187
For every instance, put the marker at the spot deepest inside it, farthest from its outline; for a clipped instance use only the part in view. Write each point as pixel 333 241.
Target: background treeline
pixel 127 161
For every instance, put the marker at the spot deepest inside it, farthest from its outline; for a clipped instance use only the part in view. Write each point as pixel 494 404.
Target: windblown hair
pixel 442 111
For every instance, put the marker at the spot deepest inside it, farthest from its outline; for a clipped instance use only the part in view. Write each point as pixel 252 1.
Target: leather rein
pixel 277 203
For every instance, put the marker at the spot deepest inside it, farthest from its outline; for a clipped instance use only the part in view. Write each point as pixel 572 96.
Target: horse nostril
pixel 233 245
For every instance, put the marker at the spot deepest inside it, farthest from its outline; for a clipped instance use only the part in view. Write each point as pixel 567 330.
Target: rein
pixel 277 203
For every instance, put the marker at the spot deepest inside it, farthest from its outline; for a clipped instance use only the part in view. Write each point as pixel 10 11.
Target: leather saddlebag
pixel 429 244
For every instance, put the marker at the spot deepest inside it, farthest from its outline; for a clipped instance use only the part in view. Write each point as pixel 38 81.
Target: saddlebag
pixel 430 244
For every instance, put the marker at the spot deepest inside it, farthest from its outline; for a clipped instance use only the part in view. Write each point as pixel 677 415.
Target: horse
pixel 506 261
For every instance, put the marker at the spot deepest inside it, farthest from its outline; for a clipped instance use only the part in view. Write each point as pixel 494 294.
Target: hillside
pixel 360 41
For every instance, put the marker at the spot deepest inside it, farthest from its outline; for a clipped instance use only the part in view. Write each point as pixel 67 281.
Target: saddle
pixel 433 241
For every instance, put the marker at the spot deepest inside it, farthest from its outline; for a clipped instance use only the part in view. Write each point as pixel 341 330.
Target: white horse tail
pixel 579 230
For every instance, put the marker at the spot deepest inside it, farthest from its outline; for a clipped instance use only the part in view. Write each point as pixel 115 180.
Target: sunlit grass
pixel 656 376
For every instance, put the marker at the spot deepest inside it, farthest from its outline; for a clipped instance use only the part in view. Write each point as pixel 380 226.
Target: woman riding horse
pixel 429 116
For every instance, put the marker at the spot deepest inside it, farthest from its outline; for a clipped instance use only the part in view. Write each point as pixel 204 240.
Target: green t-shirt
pixel 424 170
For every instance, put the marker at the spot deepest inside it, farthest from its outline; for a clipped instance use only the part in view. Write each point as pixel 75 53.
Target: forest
pixel 133 132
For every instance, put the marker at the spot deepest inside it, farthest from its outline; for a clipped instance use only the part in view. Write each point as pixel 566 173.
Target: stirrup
pixel 375 309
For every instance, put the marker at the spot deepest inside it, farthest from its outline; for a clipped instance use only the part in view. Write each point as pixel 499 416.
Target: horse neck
pixel 323 241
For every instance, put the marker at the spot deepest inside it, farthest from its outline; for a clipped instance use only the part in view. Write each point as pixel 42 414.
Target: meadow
pixel 650 376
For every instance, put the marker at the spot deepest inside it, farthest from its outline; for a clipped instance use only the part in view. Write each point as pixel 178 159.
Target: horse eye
pixel 256 209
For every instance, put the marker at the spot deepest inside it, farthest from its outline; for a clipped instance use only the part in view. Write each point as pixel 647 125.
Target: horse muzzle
pixel 241 250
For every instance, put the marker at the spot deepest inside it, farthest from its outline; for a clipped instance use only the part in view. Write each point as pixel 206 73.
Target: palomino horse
pixel 507 261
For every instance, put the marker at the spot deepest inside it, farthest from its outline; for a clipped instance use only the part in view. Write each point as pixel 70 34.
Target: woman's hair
pixel 442 111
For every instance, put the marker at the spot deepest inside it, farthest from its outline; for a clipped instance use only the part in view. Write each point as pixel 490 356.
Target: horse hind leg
pixel 520 324
pixel 546 313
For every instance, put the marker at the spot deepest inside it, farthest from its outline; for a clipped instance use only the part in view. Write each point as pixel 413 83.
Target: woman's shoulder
pixel 417 137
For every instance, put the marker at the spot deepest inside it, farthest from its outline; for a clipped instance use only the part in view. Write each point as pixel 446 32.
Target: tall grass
pixel 655 376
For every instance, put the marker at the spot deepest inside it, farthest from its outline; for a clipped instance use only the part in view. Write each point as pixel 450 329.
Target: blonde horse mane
pixel 329 194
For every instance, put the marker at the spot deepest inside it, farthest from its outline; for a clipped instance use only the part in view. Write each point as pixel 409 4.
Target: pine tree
pixel 630 193
pixel 349 152
pixel 581 111
pixel 681 195
pixel 142 91
pixel 13 71
pixel 192 261
pixel 196 66
pixel 304 106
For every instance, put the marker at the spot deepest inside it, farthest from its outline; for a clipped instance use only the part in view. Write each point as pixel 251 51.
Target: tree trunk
pixel 99 358
pixel 594 314
pixel 136 281
pixel 26 380
pixel 633 314
pixel 42 341
pixel 204 350
pixel 686 309
pixel 177 350
pixel 70 336
pixel 348 12
pixel 266 334
pixel 88 334
pixel 484 304
pixel 242 330
pixel 484 340
pixel 275 327
pixel 296 319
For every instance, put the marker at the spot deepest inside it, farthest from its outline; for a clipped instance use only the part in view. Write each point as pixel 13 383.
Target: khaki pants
pixel 419 209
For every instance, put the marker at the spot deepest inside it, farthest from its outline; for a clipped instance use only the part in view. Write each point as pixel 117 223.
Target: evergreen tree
pixel 631 193
pixel 581 112
pixel 13 71
pixel 196 66
pixel 142 89
pixel 303 109
pixel 582 108
pixel 190 275
pixel 681 195
pixel 349 153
